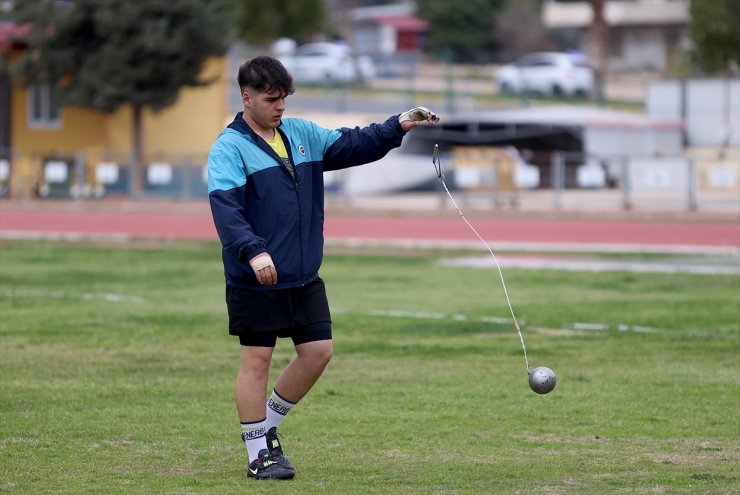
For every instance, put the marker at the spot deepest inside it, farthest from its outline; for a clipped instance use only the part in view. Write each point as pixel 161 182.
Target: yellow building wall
pixel 187 127
pixel 80 128
pixel 196 119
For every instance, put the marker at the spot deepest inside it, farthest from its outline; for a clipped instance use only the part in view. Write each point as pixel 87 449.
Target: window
pixel 43 106
pixel 535 60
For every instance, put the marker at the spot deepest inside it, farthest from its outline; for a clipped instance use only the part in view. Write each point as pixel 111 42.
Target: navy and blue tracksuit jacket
pixel 258 206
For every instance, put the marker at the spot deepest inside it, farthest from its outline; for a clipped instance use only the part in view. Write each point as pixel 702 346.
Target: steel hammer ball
pixel 542 380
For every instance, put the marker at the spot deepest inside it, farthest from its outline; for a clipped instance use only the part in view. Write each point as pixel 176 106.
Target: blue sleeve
pixel 363 145
pixel 227 182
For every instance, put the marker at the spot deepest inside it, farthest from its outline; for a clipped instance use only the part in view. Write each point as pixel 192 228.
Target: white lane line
pixel 535 247
pixel 85 296
pixel 589 326
pixel 595 265
pixel 582 326
pixel 394 313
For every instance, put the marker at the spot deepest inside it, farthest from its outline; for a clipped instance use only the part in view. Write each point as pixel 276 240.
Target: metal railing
pixel 86 175
pixel 572 180
pixel 560 181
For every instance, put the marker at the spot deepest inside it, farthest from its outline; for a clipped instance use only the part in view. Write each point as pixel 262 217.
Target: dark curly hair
pixel 265 74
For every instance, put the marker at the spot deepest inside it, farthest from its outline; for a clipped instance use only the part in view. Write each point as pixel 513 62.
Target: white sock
pixel 277 408
pixel 253 435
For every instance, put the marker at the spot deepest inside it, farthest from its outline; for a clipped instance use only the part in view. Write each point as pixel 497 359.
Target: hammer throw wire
pixel 440 175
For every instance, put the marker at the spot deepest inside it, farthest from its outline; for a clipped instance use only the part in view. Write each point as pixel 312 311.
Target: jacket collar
pixel 240 125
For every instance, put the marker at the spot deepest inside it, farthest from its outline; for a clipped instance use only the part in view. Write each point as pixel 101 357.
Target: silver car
pixel 328 63
pixel 550 73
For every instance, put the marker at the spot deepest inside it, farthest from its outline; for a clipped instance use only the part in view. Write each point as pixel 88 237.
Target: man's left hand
pixel 416 116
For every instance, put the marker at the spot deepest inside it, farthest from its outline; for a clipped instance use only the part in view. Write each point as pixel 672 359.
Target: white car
pixel 551 73
pixel 328 63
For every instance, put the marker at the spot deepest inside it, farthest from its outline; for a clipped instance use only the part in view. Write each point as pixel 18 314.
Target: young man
pixel 266 193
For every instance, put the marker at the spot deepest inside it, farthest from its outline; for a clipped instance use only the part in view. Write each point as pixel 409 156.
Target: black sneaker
pixel 265 467
pixel 276 450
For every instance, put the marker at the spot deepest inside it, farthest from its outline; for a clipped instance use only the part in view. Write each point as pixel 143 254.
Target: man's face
pixel 264 108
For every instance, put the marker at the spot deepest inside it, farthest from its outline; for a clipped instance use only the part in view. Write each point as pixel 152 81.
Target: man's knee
pixel 326 352
pixel 319 352
pixel 256 360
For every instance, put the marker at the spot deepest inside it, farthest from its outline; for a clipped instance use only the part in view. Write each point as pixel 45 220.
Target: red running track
pixel 720 235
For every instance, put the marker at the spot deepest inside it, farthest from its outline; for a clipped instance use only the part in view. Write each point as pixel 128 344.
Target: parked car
pixel 328 63
pixel 551 73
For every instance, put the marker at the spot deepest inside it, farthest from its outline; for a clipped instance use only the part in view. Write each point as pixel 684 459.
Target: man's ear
pixel 246 98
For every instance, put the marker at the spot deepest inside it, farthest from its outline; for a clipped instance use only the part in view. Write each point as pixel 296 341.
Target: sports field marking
pixel 732 267
pixel 383 313
pixel 85 296
pixel 499 320
pixel 423 315
pixel 533 247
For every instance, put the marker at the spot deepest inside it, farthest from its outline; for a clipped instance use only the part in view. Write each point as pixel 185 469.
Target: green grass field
pixel 116 376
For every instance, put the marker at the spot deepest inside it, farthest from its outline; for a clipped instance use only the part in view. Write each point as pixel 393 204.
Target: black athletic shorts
pixel 259 317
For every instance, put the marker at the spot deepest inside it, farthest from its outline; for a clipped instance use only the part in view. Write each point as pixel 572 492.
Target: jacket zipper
pixel 296 188
pixel 300 230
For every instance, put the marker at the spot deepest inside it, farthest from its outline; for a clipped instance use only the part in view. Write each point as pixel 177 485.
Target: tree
pixel 465 30
pixel 519 28
pixel 106 54
pixel 598 34
pixel 597 46
pixel 259 22
pixel 715 32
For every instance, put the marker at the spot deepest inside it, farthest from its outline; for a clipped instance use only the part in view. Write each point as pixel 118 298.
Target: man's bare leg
pixel 251 382
pixel 304 370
